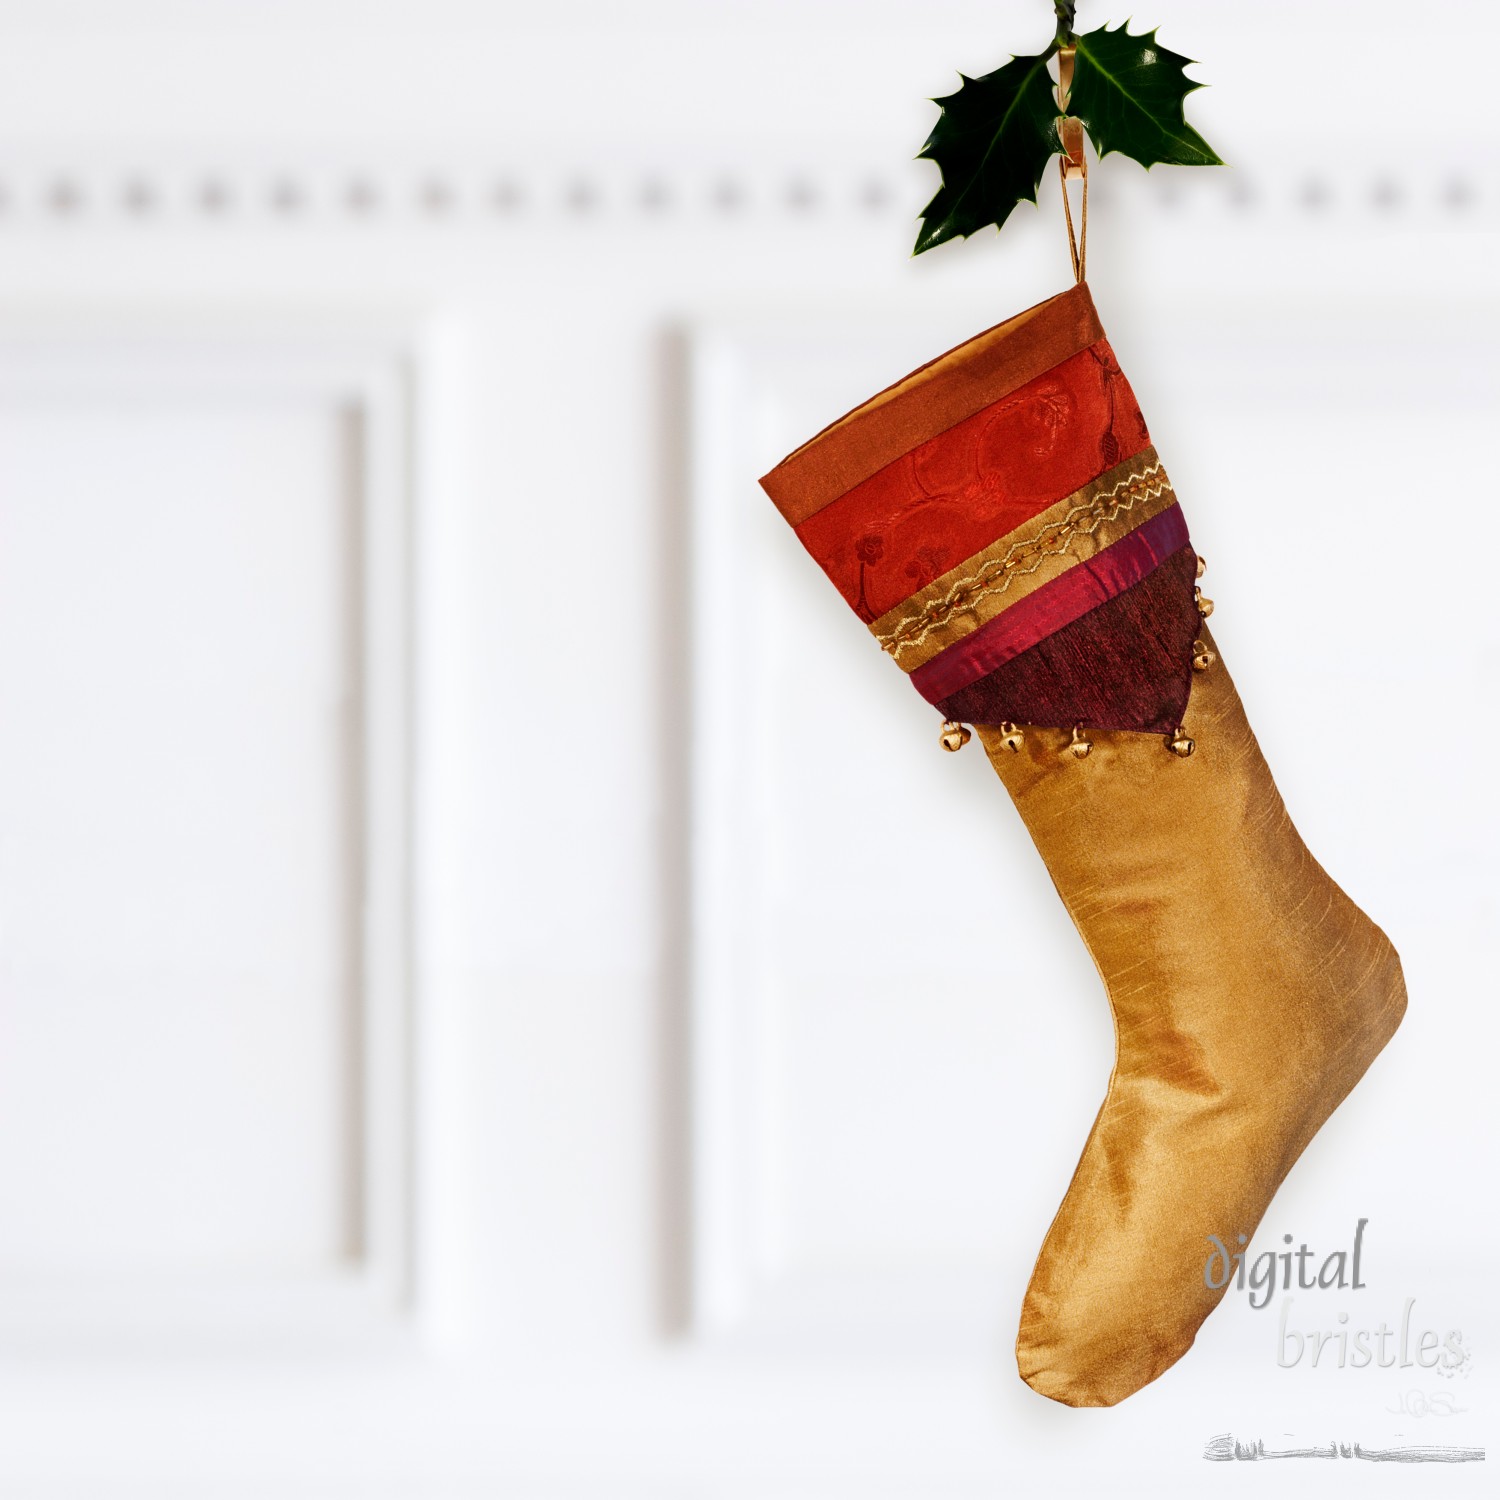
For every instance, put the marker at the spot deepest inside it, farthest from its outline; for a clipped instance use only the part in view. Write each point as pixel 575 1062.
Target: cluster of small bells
pixel 955 736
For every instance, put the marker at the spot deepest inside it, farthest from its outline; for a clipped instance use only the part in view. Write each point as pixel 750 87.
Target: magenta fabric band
pixel 1093 582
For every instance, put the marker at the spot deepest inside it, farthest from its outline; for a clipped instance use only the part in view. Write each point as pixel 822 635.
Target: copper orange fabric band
pixel 959 492
pixel 930 400
pixel 1068 597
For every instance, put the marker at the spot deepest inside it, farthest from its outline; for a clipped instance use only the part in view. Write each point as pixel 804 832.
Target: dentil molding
pixel 372 193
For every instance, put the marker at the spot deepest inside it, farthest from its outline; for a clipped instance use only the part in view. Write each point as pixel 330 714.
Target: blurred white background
pixel 458 1032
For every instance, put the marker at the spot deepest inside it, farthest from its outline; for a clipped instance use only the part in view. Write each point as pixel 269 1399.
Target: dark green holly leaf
pixel 992 142
pixel 1128 91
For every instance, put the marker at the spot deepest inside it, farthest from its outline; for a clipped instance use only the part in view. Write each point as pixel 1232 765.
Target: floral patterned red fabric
pixel 967 487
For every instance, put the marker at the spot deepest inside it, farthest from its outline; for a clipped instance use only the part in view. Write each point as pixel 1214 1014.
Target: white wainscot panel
pixel 203 1111
pixel 899 1040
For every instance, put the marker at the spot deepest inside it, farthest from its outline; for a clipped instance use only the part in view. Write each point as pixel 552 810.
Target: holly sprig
pixel 997 134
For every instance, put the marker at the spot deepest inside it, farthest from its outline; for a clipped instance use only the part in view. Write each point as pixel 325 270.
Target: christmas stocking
pixel 1001 523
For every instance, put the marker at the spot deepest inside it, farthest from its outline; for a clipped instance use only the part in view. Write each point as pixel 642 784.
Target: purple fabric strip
pixel 1093 582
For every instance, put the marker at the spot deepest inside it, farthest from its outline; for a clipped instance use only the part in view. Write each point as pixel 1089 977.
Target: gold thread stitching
pixel 969 592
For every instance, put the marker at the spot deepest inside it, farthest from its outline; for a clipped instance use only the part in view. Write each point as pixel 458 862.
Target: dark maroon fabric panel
pixel 1127 664
pixel 1066 598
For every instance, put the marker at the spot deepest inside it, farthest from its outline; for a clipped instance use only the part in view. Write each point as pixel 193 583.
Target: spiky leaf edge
pixel 1204 155
pixel 928 239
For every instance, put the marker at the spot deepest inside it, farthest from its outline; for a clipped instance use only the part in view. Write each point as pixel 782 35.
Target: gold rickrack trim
pixel 1122 498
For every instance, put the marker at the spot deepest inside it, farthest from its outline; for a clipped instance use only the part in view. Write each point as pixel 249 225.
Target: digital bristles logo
pixel 1385 1346
pixel 1392 1344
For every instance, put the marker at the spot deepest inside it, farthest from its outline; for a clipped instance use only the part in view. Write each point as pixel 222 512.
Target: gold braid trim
pixel 905 630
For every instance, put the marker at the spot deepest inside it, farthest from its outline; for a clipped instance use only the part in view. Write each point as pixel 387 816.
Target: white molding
pixel 379 190
pixel 722 984
pixel 368 365
pixel 749 1282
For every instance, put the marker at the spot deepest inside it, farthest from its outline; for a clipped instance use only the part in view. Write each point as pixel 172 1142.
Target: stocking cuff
pixel 1001 522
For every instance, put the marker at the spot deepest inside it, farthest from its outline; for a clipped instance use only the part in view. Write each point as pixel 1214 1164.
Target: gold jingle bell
pixel 1203 658
pixel 1202 565
pixel 954 736
pixel 1078 744
pixel 1205 606
pixel 1180 744
pixel 1010 736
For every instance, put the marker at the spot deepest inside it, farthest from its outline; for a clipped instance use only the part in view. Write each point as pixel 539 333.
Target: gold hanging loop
pixel 1065 56
pixel 1072 163
pixel 1078 246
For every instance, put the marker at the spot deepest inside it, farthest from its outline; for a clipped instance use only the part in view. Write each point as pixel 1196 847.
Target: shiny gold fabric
pixel 1249 995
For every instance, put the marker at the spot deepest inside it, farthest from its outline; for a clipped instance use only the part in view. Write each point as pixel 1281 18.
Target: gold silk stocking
pixel 1249 995
pixel 1002 524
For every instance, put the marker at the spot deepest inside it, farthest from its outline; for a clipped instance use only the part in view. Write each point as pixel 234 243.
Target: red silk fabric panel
pixel 1070 595
pixel 953 495
pixel 1125 665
